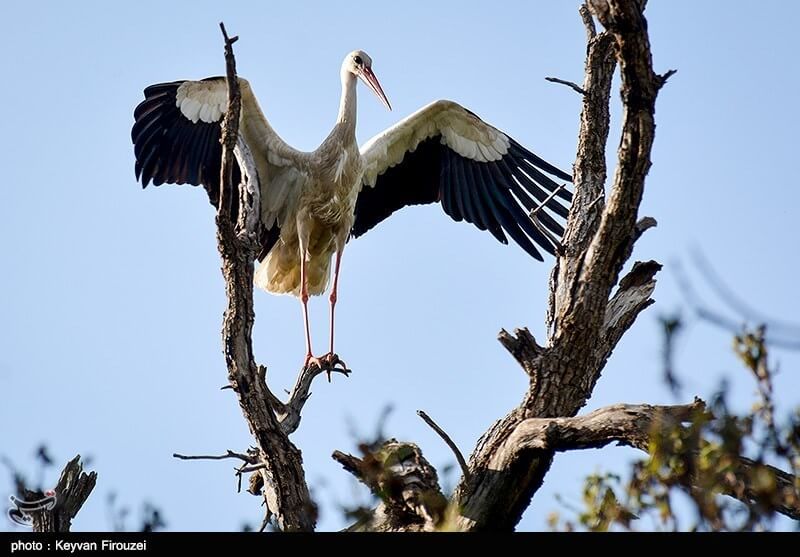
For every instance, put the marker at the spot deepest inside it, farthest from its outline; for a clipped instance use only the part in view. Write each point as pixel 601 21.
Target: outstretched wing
pixel 444 153
pixel 176 138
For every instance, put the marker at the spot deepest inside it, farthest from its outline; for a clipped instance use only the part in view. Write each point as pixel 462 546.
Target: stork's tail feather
pixel 280 274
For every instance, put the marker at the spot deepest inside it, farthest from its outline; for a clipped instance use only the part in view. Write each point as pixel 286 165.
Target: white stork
pixel 313 202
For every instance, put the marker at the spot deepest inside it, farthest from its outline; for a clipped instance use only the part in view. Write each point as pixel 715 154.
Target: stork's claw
pixel 330 363
pixel 333 359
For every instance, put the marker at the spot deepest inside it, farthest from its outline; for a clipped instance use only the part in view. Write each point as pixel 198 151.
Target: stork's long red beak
pixel 369 78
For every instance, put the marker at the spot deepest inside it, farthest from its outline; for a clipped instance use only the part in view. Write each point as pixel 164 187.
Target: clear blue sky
pixel 112 296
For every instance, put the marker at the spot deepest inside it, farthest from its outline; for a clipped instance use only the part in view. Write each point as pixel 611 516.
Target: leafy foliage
pixel 697 465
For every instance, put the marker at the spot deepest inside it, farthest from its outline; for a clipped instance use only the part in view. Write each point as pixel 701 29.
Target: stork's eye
pixel 358 60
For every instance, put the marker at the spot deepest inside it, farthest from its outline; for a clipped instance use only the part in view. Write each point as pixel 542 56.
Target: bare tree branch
pixel 248 459
pixel 584 324
pixel 448 441
pixel 644 224
pixel 574 86
pixel 736 486
pixel 523 346
pixel 632 298
pixel 282 479
pixel 634 426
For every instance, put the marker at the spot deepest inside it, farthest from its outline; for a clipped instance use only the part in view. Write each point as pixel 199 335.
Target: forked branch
pixel 279 464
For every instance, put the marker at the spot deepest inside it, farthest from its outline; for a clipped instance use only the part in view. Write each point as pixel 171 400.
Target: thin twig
pixel 719 319
pixel 559 249
pixel 574 86
pixel 594 202
pixel 450 443
pixel 735 302
pixel 664 78
pixel 239 477
pixel 254 468
pixel 230 454
pixel 381 425
pixel 550 197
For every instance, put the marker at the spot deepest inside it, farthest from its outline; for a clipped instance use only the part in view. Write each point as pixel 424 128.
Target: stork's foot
pixel 334 360
pixel 329 363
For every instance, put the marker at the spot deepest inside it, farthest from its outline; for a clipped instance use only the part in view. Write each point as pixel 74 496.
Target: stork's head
pixel 359 64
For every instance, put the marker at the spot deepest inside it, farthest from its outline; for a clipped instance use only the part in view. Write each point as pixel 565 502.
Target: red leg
pixel 334 294
pixel 310 359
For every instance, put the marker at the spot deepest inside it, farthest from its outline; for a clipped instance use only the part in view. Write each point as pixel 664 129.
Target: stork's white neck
pixel 347 104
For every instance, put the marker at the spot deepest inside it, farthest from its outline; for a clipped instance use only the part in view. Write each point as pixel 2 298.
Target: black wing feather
pixel 478 195
pixel 493 208
pixel 534 189
pixel 511 212
pixel 415 183
pixel 469 195
pixel 496 196
pixel 145 137
pixel 518 150
pixel 502 175
pixel 446 187
pixel 171 149
pixel 456 187
pixel 514 180
pixel 487 208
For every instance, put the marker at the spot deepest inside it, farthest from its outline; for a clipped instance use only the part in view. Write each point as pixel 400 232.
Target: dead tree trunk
pixel 54 510
pixel 585 322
